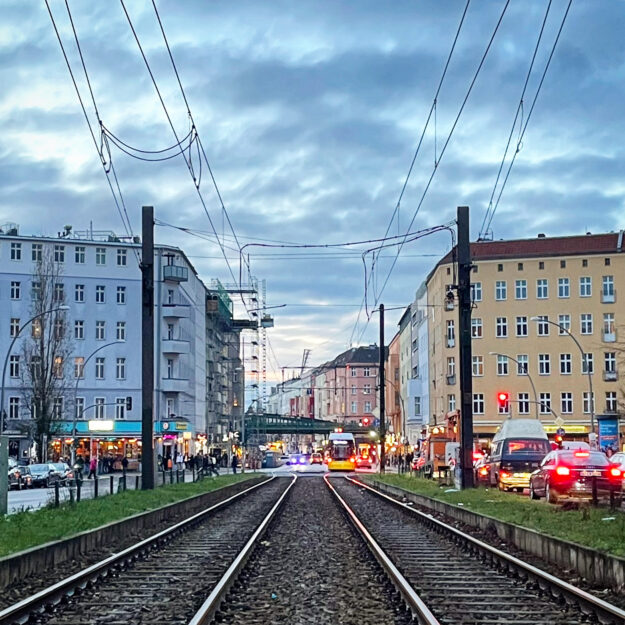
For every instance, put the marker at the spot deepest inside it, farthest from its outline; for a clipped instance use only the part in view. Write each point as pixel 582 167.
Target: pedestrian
pixel 93 468
pixel 234 463
pixel 212 466
pixel 124 464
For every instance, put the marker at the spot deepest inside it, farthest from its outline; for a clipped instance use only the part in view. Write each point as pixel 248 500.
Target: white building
pixel 418 385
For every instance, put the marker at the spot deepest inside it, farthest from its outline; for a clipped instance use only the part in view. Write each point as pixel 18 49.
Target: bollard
pixel 594 491
pixel 78 489
pixel 95 487
pixel 177 476
pixel 136 482
pixel 56 494
pixel 124 477
pixel 183 476
pixel 112 489
pixel 193 473
pixel 611 497
pixel 71 494
pixel 171 476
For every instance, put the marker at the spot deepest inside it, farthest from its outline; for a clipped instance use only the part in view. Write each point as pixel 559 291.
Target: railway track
pixel 449 577
pixel 163 579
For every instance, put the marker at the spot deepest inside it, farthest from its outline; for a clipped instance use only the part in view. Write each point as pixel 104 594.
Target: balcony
pixel 451 379
pixel 609 337
pixel 172 346
pixel 451 342
pixel 174 385
pixel 175 273
pixel 175 311
pixel 610 376
pixel 608 298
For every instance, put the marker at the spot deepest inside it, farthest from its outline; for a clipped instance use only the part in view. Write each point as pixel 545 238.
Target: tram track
pixel 162 579
pixel 459 579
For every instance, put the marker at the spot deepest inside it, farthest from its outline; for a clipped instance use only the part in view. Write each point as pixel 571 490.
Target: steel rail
pixel 20 612
pixel 607 612
pixel 204 616
pixel 419 610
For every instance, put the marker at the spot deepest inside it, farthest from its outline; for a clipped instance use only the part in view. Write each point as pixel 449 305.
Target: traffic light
pixel 558 440
pixel 365 421
pixel 128 403
pixel 503 401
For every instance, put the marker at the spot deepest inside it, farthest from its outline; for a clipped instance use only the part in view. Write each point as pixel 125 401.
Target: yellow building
pixel 574 282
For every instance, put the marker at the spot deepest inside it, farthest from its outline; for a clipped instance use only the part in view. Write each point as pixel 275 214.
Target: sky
pixel 310 114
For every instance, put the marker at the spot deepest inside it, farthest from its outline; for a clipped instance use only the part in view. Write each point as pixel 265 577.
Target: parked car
pixel 44 474
pixel 316 458
pixel 25 476
pixel 571 475
pixel 65 471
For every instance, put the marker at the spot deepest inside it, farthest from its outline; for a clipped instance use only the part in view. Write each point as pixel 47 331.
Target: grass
pixel 586 526
pixel 24 530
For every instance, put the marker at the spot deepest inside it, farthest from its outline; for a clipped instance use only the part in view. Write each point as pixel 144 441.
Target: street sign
pixel 560 431
pixel 559 421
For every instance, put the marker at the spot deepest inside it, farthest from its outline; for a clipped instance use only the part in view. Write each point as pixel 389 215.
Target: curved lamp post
pixel 536 403
pixel 567 331
pixel 4 441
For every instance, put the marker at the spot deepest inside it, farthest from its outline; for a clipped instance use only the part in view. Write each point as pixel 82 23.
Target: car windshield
pixel 527 447
pixel 584 459
pixel 38 467
pixel 59 466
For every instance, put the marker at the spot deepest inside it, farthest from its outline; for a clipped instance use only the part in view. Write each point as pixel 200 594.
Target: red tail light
pixel 353 459
pixel 483 471
pixel 504 475
pixel 614 472
pixel 581 454
pixel 563 471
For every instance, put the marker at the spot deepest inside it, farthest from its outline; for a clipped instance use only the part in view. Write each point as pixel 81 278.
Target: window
pixel 476 292
pixel 564 321
pixel 35 291
pixel 586 323
pixel 451 333
pixel 562 264
pixel 566 365
pixel 36 252
pixel 16 290
pixel 120 406
pixel 79 367
pixel 36 329
pixel 59 292
pixel 543 325
pixel 14 366
pixel 523 403
pixel 79 293
pixel 478 403
pixel 79 330
pixel 520 289
pixel 171 407
pixel 502 327
pixel 354 407
pixel 541 264
pixel 121 294
pixel 16 251
pixel 522 364
pixel 610 401
pixel 544 364
pixel 35 367
pixel 367 406
pixel 476 328
pixel 59 253
pixel 79 407
pixel 609 361
pixel 100 408
pixel 586 402
pixel 519 266
pixel 585 286
pixel 588 364
pixel 545 403
pixel 79 254
pixel 451 366
pixel 566 403
pixel 417 405
pixel 99 294
pixel 354 391
pixel 121 257
pixel 59 328
pixel 57 408
pixel 15 327
pixel 542 289
pixel 170 331
pixel 170 368
pixel 521 326
pixel 57 367
pixel 120 369
pixel 100 327
pixel 564 287
pixel 608 323
pixel 100 256
pixel 354 372
pixel 366 372
pixel 501 290
pixel 170 296
pixel 451 402
pixel 367 389
pixel 607 289
pixel 502 365
pixel 99 368
pixel 478 366
pixel 500 267
pixel 121 331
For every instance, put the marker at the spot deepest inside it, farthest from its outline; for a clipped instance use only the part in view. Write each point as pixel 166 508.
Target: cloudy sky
pixel 310 113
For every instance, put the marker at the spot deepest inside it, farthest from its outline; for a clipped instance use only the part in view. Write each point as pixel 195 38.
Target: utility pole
pixel 466 382
pixel 147 349
pixel 382 392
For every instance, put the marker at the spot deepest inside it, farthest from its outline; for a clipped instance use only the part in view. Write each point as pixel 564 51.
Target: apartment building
pixel 99 286
pixel 418 383
pixel 526 295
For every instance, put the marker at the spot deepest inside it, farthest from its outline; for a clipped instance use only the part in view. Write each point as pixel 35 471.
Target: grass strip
pixel 24 530
pixel 599 528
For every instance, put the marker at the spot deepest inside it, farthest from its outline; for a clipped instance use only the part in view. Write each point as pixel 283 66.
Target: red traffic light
pixel 502 397
pixel 365 421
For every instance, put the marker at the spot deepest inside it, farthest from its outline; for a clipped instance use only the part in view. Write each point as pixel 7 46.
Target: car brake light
pixel 581 454
pixel 563 471
pixel 614 472
pixel 483 471
pixel 353 458
pixel 504 475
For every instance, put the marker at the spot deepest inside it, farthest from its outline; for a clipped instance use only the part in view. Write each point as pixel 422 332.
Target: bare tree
pixel 46 387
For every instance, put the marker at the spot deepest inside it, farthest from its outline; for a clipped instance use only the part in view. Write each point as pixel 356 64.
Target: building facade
pixel 526 295
pixel 418 384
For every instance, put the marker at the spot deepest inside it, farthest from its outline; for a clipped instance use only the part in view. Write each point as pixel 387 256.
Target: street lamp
pixel 567 331
pixel 78 378
pixel 4 441
pixel 526 373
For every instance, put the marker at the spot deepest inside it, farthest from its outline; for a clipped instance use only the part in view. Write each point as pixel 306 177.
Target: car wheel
pixel 550 496
pixel 533 494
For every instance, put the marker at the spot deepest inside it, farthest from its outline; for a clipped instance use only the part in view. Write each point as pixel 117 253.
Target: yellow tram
pixel 341 452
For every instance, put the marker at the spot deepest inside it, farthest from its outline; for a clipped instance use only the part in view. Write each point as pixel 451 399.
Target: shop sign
pixel 101 425
pixel 180 425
